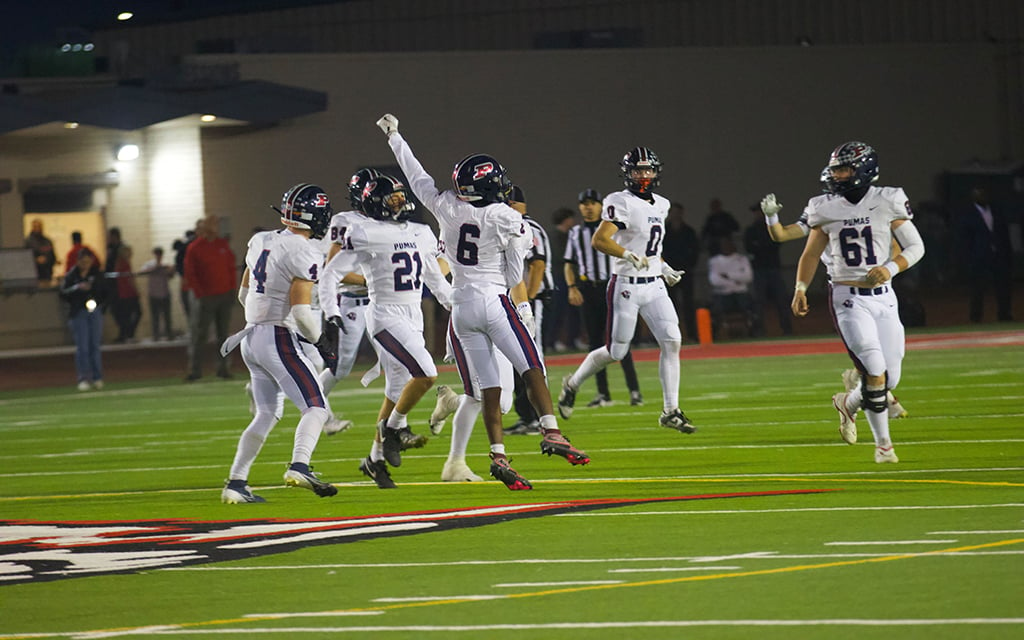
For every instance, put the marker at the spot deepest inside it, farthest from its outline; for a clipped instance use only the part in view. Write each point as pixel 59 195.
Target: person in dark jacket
pixel 86 292
pixel 984 237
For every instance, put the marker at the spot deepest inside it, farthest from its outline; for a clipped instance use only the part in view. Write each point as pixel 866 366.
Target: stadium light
pixel 125 15
pixel 127 152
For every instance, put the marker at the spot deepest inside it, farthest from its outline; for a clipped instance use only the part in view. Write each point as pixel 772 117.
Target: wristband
pixel 801 286
pixel 892 268
pixel 772 219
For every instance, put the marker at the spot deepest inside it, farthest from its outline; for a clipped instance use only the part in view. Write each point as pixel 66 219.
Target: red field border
pixel 815 346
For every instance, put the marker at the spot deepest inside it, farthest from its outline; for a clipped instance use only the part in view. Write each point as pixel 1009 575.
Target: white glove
pixel 672 276
pixel 770 206
pixel 388 124
pixel 526 315
pixel 639 263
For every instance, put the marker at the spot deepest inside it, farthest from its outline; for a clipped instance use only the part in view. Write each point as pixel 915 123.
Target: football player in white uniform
pixel 632 229
pixel 770 206
pixel 485 242
pixel 856 222
pixel 352 298
pixel 281 268
pixel 397 258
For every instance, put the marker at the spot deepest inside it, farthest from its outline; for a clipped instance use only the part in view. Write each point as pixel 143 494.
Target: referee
pixel 587 271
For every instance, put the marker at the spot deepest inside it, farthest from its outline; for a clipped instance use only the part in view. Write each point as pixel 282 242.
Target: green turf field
pixel 824 543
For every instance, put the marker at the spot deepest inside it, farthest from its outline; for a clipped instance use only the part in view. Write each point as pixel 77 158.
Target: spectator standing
pixel 681 249
pixel 71 260
pixel 42 253
pixel 767 265
pixel 587 272
pixel 563 315
pixel 180 247
pixel 210 271
pixel 127 310
pixel 719 224
pixel 730 275
pixel 984 236
pixel 159 292
pixel 85 290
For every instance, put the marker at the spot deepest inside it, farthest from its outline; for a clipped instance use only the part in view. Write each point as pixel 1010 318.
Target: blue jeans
pixel 87 330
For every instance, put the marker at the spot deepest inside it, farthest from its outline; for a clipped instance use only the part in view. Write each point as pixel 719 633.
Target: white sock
pixel 498 449
pixel 308 433
pixel 249 445
pixel 548 422
pixel 668 370
pixel 462 425
pixel 595 361
pixel 397 420
pixel 376 452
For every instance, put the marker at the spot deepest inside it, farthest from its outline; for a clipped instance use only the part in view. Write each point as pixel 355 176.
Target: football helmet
pixel 306 206
pixel 640 158
pixel 387 199
pixel 860 157
pixel 481 180
pixel 357 183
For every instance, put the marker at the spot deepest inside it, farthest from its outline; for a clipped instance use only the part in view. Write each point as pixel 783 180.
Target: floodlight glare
pixel 128 152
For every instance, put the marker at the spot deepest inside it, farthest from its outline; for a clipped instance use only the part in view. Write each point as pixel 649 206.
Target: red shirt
pixel 210 267
pixel 71 261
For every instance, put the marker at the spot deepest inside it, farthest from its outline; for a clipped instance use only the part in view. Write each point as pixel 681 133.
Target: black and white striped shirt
pixel 541 250
pixel 591 264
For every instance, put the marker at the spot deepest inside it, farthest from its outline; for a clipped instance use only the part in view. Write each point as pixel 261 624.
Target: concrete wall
pixel 729 123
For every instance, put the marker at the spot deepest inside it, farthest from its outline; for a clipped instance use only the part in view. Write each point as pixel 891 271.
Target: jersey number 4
pixel 853 252
pixel 259 271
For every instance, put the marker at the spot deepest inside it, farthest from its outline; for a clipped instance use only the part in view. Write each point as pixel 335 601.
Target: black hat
pixel 517 194
pixel 590 194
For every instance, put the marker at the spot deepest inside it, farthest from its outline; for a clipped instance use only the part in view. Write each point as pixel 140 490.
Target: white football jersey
pixel 826 258
pixel 484 246
pixel 396 257
pixel 859 235
pixel 340 222
pixel 641 229
pixel 274 259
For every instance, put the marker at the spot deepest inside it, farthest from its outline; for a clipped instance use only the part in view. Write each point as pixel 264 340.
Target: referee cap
pixel 590 194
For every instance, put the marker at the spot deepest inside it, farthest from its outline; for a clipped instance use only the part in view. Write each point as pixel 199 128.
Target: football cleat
pixel 336 425
pixel 378 472
pixel 636 399
pixel 411 440
pixel 522 427
pixel 851 379
pixel 501 471
pixel 301 475
pixel 447 403
pixel 847 423
pixel 600 400
pixel 238 492
pixel 566 399
pixel 554 443
pixel 885 455
pixel 391 443
pixel 677 420
pixel 458 471
pixel 896 409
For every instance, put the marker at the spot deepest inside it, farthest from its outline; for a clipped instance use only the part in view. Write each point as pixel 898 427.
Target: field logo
pixel 35 551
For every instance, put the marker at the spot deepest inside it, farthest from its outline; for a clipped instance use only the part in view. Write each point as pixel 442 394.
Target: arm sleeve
pixel 419 180
pixel 343 262
pixel 433 278
pixel 911 244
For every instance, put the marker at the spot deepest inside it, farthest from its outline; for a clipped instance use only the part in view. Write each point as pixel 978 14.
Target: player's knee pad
pixel 318 413
pixel 874 399
pixel 261 425
pixel 618 350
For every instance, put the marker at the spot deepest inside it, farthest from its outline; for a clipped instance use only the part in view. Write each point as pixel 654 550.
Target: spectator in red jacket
pixel 211 274
pixel 71 261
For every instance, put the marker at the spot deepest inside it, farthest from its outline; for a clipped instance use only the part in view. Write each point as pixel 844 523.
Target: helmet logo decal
pixel 481 170
pixel 321 200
